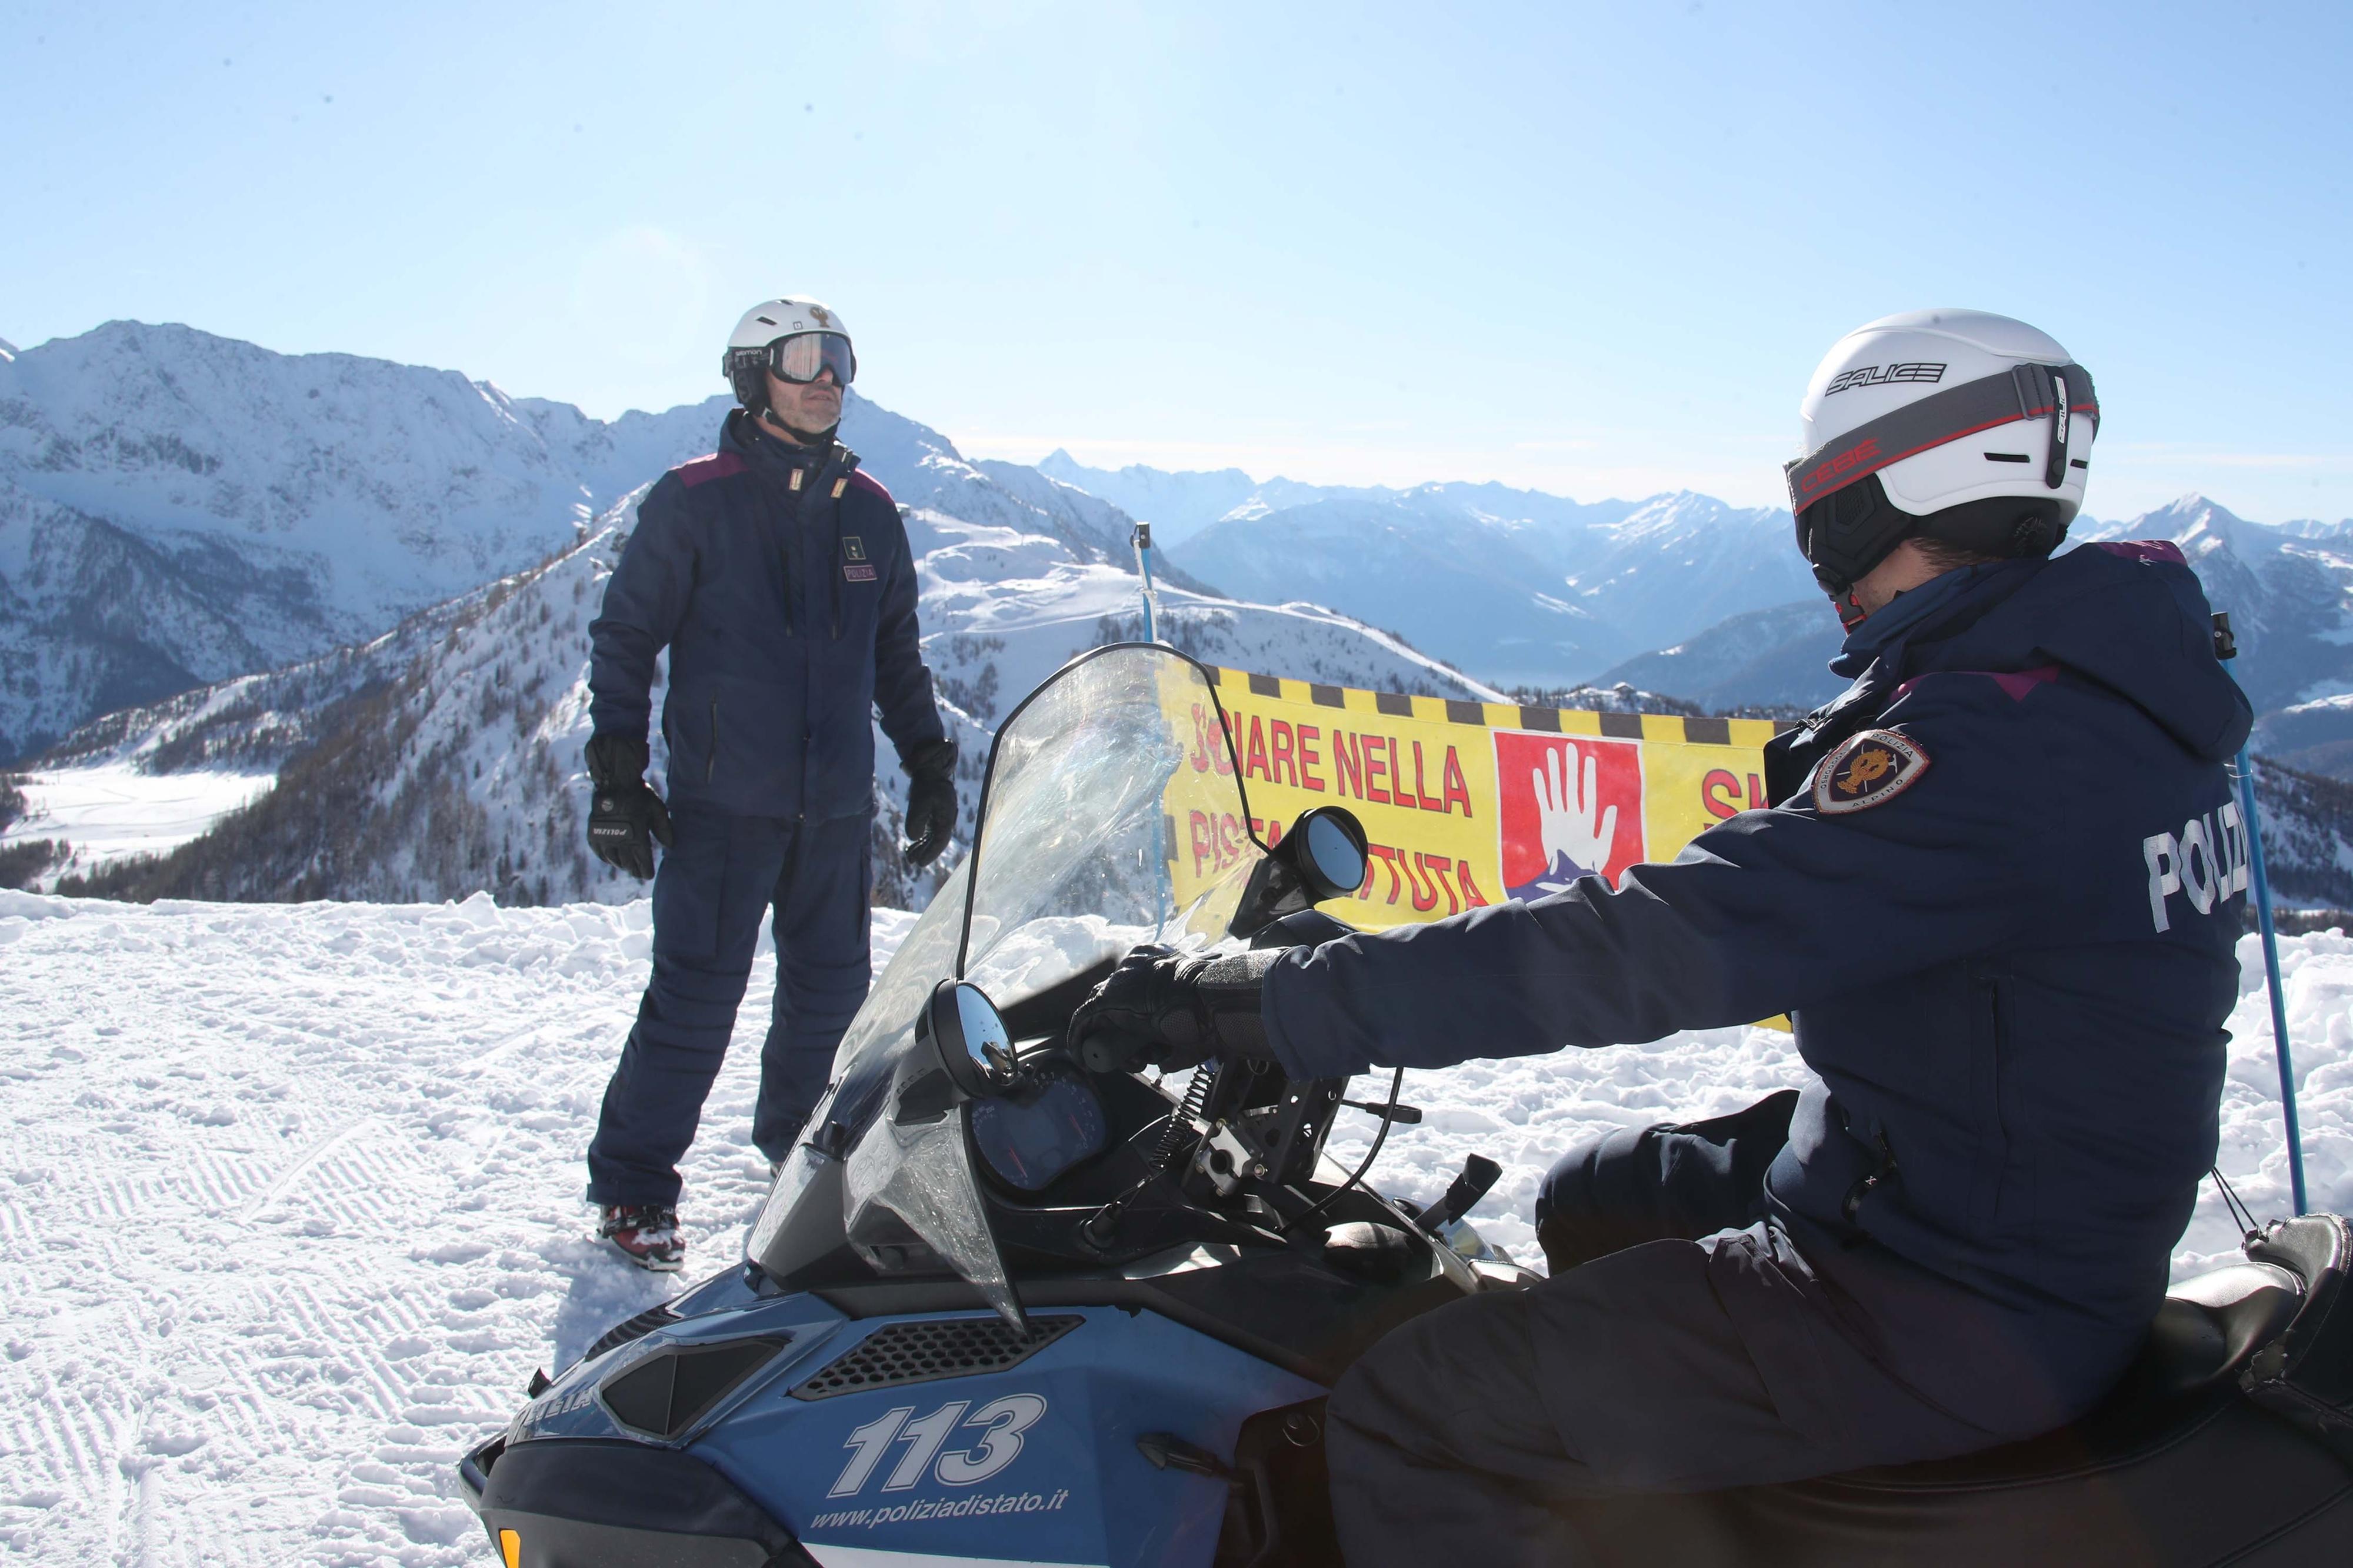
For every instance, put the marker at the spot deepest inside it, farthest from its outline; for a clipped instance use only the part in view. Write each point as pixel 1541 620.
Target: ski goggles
pixel 2057 393
pixel 804 356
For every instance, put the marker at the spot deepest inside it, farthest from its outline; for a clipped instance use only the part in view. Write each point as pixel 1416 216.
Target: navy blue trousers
pixel 713 886
pixel 1681 1344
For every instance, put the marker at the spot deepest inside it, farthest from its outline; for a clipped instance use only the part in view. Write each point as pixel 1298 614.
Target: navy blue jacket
pixel 789 612
pixel 2009 976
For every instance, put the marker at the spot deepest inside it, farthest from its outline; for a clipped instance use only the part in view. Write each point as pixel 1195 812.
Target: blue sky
pixel 1592 249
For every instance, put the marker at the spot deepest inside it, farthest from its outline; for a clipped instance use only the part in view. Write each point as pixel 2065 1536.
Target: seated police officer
pixel 777 575
pixel 1995 896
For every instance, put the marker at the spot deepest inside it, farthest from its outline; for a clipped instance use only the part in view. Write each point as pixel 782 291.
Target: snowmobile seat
pixel 2178 1468
pixel 2207 1331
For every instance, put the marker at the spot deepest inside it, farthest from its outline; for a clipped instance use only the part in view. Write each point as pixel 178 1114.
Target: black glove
pixel 625 814
pixel 931 802
pixel 1174 1011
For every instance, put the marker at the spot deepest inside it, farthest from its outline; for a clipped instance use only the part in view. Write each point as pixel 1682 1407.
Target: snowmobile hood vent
pixel 923 1351
pixel 636 1328
pixel 663 1395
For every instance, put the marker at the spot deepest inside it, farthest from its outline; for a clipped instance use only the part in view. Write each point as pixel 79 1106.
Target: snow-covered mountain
pixel 1452 581
pixel 1529 589
pixel 1518 586
pixel 177 508
pixel 1180 505
pixel 244 519
pixel 2288 589
pixel 1522 587
pixel 444 757
pixel 1776 658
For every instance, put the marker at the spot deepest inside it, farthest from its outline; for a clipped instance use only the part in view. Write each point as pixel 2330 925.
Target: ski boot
pixel 647 1234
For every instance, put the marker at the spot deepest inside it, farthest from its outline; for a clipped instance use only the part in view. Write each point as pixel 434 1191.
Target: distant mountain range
pixel 373 581
pixel 177 508
pixel 1684 595
pixel 427 743
pixel 1518 586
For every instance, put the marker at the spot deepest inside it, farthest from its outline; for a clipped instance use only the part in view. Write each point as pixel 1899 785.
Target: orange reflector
pixel 510 1548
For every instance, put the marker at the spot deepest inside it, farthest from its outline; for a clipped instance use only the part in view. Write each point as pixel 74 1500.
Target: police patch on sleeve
pixel 1868 769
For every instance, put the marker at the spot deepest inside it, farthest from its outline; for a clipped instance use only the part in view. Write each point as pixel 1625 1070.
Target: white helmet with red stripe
pixel 1954 425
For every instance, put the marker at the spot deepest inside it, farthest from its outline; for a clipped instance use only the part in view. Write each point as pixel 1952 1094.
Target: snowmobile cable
pixel 2240 1215
pixel 1357 1177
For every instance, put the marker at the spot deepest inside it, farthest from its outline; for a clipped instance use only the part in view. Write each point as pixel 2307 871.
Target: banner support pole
pixel 1142 540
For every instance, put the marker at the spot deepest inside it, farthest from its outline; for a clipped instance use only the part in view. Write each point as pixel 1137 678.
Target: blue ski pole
pixel 2226 647
pixel 2272 976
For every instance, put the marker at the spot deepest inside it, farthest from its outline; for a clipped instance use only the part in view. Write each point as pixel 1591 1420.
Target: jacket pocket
pixel 1990 1030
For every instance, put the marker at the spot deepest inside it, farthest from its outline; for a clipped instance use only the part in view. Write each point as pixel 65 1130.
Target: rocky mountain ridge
pixel 177 509
pixel 1518 585
pixel 445 756
pixel 1685 596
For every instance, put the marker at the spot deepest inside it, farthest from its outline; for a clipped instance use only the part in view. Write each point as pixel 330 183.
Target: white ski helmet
pixel 1957 426
pixel 765 340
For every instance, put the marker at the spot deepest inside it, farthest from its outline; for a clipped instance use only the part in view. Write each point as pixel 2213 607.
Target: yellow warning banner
pixel 1465 803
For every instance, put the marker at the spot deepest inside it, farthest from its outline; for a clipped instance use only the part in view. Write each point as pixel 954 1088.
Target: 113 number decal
pixel 998 1426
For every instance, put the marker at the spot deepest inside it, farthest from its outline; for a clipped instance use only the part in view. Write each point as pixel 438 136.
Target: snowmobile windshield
pixel 1111 816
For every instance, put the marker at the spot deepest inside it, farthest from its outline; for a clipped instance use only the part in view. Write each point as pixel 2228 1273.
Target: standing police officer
pixel 778 577
pixel 1997 897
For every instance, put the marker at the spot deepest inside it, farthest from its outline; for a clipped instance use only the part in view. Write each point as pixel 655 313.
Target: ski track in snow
pixel 292 1201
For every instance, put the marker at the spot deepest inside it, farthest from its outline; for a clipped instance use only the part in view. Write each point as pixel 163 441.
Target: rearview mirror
pixel 964 1028
pixel 1332 858
pixel 1324 855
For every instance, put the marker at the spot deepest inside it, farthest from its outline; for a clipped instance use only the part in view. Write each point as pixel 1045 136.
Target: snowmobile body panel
pixel 570 1503
pixel 599 1397
pixel 1035 1463
pixel 857 1438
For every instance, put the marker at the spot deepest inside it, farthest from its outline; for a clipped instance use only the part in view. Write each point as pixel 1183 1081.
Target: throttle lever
pixel 1479 1174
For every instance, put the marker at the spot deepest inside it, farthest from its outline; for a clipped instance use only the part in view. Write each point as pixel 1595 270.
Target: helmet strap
pixel 2054 467
pixel 1844 598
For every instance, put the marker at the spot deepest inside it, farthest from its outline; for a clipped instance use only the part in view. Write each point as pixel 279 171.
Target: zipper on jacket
pixel 1872 1182
pixel 1993 1156
pixel 710 758
pixel 784 565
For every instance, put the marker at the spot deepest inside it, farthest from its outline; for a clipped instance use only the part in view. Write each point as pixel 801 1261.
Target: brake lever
pixel 1478 1176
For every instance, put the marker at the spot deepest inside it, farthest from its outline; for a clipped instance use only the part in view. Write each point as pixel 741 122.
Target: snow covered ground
pixel 111 811
pixel 289 1207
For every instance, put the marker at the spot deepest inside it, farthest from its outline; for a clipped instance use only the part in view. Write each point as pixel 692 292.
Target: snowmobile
pixel 997 1308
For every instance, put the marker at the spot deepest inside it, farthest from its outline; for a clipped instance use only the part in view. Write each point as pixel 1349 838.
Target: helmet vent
pixel 905 1353
pixel 767 321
